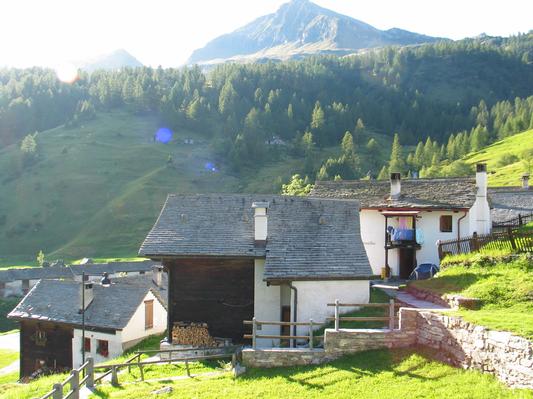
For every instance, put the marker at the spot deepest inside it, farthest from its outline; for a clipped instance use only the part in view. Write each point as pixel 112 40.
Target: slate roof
pixel 307 238
pixel 64 272
pixel 112 307
pixel 453 193
pixel 508 202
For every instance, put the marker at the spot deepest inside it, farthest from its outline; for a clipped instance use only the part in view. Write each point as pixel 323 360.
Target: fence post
pixel 311 338
pixel 90 372
pixel 391 314
pixel 475 242
pixel 58 391
pixel 511 238
pixel 75 384
pixel 114 376
pixel 141 371
pixel 337 321
pixel 439 249
pixel 187 368
pixel 254 332
pixel 519 219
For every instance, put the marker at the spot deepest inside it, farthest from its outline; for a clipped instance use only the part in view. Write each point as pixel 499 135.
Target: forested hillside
pixel 84 171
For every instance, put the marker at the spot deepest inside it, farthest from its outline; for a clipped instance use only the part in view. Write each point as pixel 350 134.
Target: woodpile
pixel 194 334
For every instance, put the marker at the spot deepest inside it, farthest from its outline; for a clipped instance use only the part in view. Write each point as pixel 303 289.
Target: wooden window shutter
pixel 148 314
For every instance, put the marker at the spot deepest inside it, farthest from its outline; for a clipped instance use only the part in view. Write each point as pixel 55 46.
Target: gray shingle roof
pixel 63 272
pixel 307 238
pixel 112 307
pixel 509 202
pixel 415 193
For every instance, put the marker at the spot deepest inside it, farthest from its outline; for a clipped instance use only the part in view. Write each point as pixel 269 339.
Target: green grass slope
pixel 96 190
pixel 504 158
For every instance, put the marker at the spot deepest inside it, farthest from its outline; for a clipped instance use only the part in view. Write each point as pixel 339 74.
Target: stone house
pixel 230 258
pixel 117 317
pixel 401 221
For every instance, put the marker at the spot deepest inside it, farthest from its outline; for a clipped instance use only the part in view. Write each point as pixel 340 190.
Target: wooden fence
pixel 89 369
pixel 391 318
pixel 516 222
pixel 74 382
pixel 514 240
pixel 256 323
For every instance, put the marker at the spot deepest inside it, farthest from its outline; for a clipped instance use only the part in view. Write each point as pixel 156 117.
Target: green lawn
pixel 7 357
pixel 376 374
pixel 505 289
pixel 503 173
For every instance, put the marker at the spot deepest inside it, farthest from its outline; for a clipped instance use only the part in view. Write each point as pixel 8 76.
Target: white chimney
pixel 260 222
pixel 157 275
pixel 480 221
pixel 481 179
pixel 86 294
pixel 525 181
pixel 395 185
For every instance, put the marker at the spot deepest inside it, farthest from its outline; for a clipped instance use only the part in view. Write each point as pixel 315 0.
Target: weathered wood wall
pixel 56 351
pixel 219 292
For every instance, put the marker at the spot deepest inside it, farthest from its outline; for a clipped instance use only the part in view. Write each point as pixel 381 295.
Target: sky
pixel 165 32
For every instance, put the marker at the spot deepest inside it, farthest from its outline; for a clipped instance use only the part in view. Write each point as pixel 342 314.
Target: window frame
pixel 87 344
pixel 100 350
pixel 446 227
pixel 148 316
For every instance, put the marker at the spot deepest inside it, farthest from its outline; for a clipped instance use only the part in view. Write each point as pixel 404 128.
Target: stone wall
pixel 284 357
pixel 463 344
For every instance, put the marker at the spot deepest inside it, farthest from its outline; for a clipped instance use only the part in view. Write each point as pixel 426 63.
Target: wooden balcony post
pixel 337 316
pixel 311 338
pixel 254 332
pixel 89 371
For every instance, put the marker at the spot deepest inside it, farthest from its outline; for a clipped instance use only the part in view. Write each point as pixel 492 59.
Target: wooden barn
pixel 232 257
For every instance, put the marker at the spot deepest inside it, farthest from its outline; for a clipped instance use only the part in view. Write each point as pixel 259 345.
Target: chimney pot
pixel 87 296
pixel 481 167
pixel 395 185
pixel 157 275
pixel 260 222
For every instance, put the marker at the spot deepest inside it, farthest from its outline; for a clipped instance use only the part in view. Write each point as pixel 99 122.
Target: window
pixel 148 314
pixel 103 348
pixel 446 223
pixel 87 344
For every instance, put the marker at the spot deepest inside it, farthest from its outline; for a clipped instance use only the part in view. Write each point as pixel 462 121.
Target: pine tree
pixel 383 173
pixel 347 145
pixel 396 163
pixel 318 117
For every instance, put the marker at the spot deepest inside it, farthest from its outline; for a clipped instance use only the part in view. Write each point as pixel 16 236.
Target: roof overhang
pixel 285 280
pixel 400 213
pixel 382 209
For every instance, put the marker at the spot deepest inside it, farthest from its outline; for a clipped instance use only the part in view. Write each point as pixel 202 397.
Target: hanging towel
pixel 419 236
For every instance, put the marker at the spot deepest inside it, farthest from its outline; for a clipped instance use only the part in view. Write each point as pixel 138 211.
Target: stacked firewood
pixel 194 334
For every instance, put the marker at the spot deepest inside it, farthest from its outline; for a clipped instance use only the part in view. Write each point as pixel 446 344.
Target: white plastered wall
pixel 134 330
pixel 114 346
pixel 313 297
pixel 373 236
pixel 267 304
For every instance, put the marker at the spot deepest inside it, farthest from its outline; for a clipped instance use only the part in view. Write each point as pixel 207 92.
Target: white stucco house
pixel 401 221
pixel 230 258
pixel 55 330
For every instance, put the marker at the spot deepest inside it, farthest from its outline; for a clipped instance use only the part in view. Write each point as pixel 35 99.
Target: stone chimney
pixel 525 181
pixel 157 275
pixel 480 221
pixel 260 222
pixel 86 286
pixel 395 185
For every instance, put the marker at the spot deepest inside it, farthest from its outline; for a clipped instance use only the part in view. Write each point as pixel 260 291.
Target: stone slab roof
pixel 456 193
pixel 508 202
pixel 69 272
pixel 307 238
pixel 112 307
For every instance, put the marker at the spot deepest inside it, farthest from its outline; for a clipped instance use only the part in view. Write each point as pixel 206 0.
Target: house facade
pixel 401 221
pixel 53 333
pixel 230 258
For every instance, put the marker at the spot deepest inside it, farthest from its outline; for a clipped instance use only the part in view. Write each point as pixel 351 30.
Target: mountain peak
pixel 116 59
pixel 299 28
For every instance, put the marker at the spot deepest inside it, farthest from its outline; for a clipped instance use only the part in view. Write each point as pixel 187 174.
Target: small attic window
pixel 446 225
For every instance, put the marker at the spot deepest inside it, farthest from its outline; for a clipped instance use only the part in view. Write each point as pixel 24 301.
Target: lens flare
pixel 66 73
pixel 163 135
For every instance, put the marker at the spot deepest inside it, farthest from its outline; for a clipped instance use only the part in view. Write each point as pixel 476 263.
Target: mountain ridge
pixel 300 28
pixel 116 59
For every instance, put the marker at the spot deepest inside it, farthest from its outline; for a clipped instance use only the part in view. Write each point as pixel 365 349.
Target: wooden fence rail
pixel 391 318
pixel 518 221
pixel 514 240
pixel 74 382
pixel 88 368
pixel 256 323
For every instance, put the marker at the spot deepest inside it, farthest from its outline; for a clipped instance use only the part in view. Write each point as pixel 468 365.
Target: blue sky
pixel 165 32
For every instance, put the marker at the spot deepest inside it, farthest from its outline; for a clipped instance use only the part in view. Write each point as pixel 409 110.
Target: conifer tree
pixel 396 163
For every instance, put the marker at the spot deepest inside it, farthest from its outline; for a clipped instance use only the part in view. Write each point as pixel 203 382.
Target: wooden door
pixel 407 262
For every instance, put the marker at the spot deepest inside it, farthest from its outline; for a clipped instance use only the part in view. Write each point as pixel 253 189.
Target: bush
pixel 507 159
